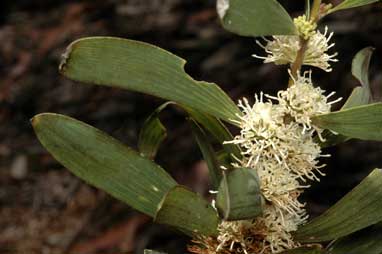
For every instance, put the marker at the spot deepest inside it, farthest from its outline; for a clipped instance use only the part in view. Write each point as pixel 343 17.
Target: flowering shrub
pixel 259 174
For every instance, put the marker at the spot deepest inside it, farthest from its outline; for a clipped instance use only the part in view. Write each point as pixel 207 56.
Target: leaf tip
pixel 65 57
pixel 35 120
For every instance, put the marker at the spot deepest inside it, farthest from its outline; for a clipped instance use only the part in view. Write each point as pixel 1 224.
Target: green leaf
pixel 239 196
pixel 144 68
pixel 103 161
pixel 366 241
pixel 188 212
pixel 152 133
pixel 217 129
pixel 358 209
pixel 360 67
pixel 362 122
pixel 359 96
pixel 360 70
pixel 224 158
pixel 209 155
pixel 213 125
pixel 255 18
pixel 305 250
pixel 330 139
pixel 351 4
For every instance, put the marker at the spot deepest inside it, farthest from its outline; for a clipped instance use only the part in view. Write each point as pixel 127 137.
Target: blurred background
pixel 45 209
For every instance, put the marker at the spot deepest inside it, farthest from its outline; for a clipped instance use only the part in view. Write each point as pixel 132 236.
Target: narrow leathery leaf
pixel 358 209
pixel 255 18
pixel 346 4
pixel 144 68
pixel 362 122
pixel 360 66
pixel 359 96
pixel 103 162
pixel 152 133
pixel 209 155
pixel 330 139
pixel 366 241
pixel 360 70
pixel 188 212
pixel 305 250
pixel 213 125
pixel 217 129
pixel 239 196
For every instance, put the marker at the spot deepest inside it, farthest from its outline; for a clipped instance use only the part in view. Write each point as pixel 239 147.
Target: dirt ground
pixel 45 209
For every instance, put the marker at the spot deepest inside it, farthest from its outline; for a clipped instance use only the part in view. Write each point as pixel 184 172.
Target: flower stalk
pixel 296 66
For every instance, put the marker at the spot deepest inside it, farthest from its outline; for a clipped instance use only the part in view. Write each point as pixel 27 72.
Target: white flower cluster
pixel 302 107
pixel 283 49
pixel 277 141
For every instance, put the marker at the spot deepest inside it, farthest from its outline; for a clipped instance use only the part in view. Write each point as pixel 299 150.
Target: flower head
pixel 283 49
pixel 303 101
pixel 260 126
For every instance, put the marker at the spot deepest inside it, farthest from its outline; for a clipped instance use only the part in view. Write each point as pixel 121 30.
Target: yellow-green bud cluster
pixel 306 28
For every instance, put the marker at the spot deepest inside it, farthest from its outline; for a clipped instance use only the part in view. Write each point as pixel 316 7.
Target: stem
pixel 296 66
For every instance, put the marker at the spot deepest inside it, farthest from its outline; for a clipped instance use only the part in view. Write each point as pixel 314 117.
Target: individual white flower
pixel 317 51
pixel 234 236
pixel 303 160
pixel 304 101
pixel 277 228
pixel 259 126
pixel 269 233
pixel 283 49
pixel 280 187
